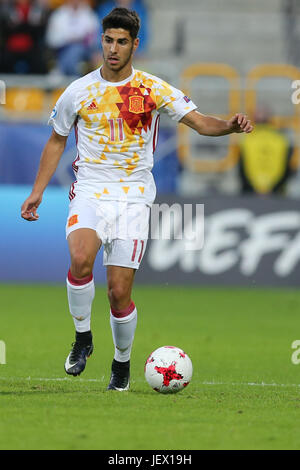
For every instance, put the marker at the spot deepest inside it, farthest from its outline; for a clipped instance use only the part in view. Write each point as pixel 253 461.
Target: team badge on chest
pixel 136 104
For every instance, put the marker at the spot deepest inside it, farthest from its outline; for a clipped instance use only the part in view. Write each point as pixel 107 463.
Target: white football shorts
pixel 122 227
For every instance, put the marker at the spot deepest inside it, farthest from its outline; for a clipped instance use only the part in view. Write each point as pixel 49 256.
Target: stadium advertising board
pixel 248 241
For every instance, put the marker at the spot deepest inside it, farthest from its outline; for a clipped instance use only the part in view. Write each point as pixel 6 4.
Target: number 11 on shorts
pixel 135 250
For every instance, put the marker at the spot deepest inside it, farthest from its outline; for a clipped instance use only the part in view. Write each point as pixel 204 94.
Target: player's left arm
pixel 213 126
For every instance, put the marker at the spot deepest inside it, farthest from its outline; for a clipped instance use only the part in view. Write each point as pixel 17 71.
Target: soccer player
pixel 115 112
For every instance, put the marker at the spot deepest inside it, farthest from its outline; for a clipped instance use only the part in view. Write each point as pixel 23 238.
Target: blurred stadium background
pixel 229 56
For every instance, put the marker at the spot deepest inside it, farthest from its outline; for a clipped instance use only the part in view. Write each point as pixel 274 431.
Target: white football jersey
pixel 116 126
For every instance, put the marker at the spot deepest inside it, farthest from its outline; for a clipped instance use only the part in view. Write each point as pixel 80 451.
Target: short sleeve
pixel 173 101
pixel 64 113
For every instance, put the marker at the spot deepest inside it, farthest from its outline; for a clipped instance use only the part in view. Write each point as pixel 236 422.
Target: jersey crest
pixel 136 104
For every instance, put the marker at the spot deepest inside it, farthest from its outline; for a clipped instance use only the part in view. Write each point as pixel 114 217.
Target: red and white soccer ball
pixel 168 369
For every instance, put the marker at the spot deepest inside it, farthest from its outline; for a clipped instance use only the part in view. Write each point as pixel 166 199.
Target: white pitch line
pixel 52 379
pixel 102 379
pixel 251 384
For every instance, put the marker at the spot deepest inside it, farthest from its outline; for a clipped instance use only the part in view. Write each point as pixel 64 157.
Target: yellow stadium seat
pixel 234 104
pixel 55 94
pixel 56 3
pixel 25 99
pixel 291 121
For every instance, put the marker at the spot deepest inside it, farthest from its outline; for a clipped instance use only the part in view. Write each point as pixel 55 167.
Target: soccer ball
pixel 168 369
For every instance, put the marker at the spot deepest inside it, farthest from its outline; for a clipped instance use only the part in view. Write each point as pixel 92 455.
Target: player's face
pixel 118 48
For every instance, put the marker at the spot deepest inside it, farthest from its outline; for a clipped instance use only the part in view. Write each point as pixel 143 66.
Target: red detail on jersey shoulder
pixel 155 135
pixel 169 373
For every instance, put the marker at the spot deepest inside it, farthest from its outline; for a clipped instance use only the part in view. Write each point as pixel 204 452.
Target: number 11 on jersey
pixel 116 130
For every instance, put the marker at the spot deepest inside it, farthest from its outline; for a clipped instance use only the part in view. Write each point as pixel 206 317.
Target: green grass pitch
pixel 245 391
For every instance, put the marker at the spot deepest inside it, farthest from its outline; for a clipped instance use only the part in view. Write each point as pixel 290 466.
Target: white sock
pixel 80 296
pixel 123 325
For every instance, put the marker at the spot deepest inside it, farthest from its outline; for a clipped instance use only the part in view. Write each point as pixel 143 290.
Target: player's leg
pixel 123 320
pixel 84 245
pixel 123 256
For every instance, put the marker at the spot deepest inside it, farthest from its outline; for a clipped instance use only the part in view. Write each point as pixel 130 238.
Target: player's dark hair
pixel 122 18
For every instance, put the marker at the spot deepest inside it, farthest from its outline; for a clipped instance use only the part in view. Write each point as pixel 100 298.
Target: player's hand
pixel 240 123
pixel 29 208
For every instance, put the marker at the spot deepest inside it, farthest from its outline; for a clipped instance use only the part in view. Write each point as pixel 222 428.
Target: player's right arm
pixel 51 155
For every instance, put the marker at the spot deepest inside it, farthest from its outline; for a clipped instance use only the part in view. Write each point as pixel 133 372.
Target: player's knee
pixel 119 296
pixel 80 265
